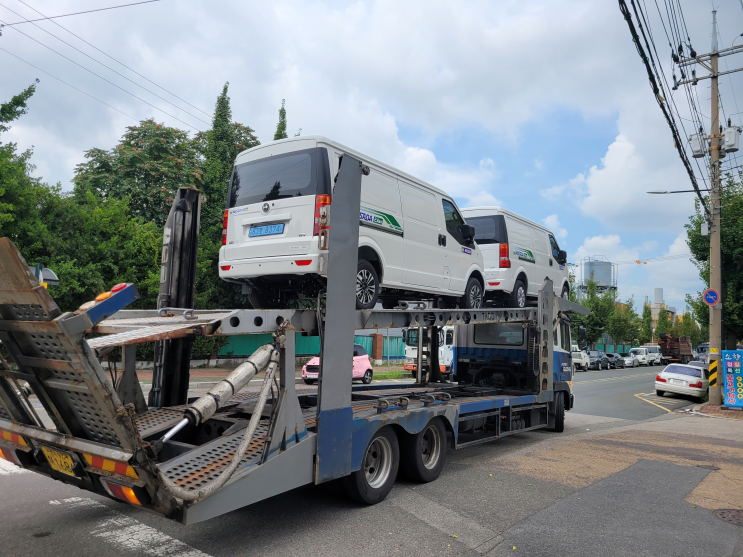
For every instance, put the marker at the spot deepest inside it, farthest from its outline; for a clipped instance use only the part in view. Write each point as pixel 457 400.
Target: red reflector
pixel 697 385
pixel 9 455
pixel 225 267
pixel 224 227
pixel 121 492
pixel 504 261
pixel 493 283
pixel 659 379
pixel 302 262
pixel 118 287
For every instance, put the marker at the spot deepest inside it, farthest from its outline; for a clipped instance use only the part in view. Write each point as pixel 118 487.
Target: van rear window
pixel 289 175
pixel 489 230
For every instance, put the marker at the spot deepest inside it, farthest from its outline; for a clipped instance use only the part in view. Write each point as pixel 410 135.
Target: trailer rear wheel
pixel 559 412
pixel 424 453
pixel 378 472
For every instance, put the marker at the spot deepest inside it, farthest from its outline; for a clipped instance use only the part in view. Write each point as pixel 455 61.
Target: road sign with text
pixel 711 296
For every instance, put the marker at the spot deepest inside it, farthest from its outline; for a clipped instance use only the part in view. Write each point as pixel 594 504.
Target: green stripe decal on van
pixel 379 219
pixel 523 254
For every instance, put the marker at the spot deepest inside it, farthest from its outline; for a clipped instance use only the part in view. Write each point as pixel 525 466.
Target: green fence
pixel 239 346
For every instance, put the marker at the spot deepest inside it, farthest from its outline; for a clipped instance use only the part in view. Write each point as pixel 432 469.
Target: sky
pixel 541 107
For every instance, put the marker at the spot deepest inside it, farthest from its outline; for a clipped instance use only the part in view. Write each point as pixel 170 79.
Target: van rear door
pixel 271 200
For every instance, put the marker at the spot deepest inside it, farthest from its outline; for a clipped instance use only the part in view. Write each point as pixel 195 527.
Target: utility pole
pixel 715 256
pixel 710 62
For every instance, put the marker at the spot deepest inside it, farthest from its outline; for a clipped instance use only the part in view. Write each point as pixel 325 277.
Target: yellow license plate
pixel 61 462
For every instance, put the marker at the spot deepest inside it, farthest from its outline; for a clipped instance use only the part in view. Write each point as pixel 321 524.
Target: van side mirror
pixel 468 232
pixel 562 257
pixel 582 332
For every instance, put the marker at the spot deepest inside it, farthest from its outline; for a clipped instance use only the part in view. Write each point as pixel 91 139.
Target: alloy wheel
pixel 521 297
pixel 366 286
pixel 476 296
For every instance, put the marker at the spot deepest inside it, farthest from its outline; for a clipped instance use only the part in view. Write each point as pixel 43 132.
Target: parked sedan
pixel 683 379
pixel 615 360
pixel 597 360
pixel 362 368
pixel 630 360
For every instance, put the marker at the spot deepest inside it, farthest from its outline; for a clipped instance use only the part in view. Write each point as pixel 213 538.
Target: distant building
pixel 657 304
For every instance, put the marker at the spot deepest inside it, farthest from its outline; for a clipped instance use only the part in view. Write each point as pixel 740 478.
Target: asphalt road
pixel 627 477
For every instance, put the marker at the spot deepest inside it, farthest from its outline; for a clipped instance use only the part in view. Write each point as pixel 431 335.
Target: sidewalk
pixel 721 412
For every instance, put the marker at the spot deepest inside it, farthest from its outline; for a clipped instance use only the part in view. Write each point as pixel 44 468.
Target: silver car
pixel 630 360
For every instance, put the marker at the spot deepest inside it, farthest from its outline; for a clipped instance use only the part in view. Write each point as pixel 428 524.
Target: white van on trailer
pixel 413 244
pixel 519 255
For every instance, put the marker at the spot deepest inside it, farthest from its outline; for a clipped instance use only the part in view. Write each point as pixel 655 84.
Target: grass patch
pixel 394 374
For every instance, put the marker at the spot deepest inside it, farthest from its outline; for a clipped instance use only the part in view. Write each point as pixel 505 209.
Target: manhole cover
pixel 731 516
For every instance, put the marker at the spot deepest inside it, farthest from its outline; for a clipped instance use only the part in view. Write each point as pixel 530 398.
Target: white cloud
pixel 553 223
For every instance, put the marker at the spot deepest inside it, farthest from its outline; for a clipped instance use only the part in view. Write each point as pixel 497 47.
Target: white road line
pixel 8 468
pixel 126 533
pixel 445 520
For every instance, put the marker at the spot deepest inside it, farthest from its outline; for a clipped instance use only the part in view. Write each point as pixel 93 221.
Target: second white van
pixel 414 243
pixel 518 255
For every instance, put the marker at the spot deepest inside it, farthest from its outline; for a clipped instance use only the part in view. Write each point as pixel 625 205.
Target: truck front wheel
pixel 559 412
pixel 374 481
pixel 424 453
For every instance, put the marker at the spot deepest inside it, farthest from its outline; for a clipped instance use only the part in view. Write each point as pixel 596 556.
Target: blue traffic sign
pixel 711 297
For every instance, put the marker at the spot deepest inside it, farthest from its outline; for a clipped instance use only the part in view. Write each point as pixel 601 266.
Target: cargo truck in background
pixel 675 349
pixel 446 350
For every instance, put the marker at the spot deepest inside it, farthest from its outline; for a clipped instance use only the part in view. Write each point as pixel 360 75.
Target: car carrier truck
pixel 192 459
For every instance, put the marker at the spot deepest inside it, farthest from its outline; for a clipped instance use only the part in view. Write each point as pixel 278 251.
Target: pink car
pixel 362 368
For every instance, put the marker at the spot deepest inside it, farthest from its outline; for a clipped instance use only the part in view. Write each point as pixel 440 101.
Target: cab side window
pixel 555 247
pixel 449 337
pixel 454 221
pixel 565 336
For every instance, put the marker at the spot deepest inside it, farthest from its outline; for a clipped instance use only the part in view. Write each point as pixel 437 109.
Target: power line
pixel 107 67
pixel 78 13
pixel 69 85
pixel 104 79
pixel 656 91
pixel 118 62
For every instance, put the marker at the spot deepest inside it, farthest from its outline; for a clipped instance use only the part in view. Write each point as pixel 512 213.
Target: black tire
pixel 473 295
pixel 367 285
pixel 379 466
pixel 559 412
pixel 659 393
pixel 310 381
pixel 518 296
pixel 565 292
pixel 422 455
pixel 367 377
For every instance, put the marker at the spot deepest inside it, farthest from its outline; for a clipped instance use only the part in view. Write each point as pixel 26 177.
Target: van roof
pixel 485 211
pixel 366 159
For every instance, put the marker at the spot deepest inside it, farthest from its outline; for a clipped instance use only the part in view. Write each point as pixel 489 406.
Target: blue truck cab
pixel 501 355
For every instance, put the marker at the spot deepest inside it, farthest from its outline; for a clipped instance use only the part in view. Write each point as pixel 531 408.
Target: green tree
pixel 646 329
pixel 602 308
pixel 148 165
pixel 664 323
pixel 731 244
pixel 677 327
pixel 624 323
pixel 281 126
pixel 220 147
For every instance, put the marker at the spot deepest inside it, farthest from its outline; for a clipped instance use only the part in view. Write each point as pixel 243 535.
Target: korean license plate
pixel 312 376
pixel 266 230
pixel 61 462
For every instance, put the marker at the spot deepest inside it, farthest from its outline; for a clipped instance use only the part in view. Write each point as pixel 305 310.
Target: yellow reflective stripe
pixel 109 466
pixel 131 473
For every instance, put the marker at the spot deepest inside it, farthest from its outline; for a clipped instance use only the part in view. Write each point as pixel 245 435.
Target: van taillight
pixel 224 227
pixel 505 262
pixel 321 215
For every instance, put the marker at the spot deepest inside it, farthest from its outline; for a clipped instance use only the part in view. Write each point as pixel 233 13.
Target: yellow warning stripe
pixel 13 438
pixel 121 468
pixel 713 373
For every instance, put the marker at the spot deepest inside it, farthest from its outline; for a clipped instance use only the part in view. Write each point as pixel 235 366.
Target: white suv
pixel 413 241
pixel 518 255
